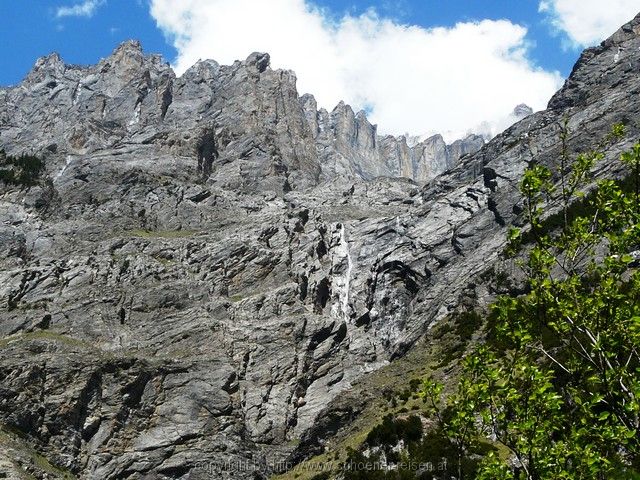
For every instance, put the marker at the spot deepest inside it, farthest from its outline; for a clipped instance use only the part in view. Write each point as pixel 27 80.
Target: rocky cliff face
pixel 209 261
pixel 349 147
pixel 245 114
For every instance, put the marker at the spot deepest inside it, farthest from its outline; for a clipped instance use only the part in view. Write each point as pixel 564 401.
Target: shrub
pixel 23 171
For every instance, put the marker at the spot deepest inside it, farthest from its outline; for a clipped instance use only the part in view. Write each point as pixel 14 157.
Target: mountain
pixel 208 266
pixel 246 113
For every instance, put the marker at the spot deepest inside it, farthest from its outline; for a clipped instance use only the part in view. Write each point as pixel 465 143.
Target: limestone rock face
pixel 209 261
pixel 522 111
pixel 349 147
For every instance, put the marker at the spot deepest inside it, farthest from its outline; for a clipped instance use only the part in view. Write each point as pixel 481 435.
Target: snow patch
pixel 64 168
pixel 342 283
pixel 136 114
pixel 76 94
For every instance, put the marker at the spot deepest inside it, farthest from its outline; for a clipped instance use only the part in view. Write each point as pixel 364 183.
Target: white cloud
pixel 588 22
pixel 85 9
pixel 410 79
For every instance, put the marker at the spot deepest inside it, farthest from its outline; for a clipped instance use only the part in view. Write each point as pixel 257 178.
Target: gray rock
pixel 209 261
pixel 350 148
pixel 522 111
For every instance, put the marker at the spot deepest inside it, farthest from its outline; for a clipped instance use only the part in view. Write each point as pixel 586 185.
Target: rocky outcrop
pixel 208 261
pixel 245 123
pixel 349 147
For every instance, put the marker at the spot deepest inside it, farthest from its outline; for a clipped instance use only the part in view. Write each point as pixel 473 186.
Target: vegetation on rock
pixel 554 392
pixel 23 171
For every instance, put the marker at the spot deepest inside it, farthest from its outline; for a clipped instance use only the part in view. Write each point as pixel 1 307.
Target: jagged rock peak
pixel 128 47
pixel 49 61
pixel 261 61
pixel 129 56
pixel 437 138
pixel 601 68
pixel 48 66
pixel 522 111
pixel 627 32
pixel 163 308
pixel 130 96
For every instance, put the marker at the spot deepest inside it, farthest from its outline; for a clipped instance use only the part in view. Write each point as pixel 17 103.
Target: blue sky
pixel 389 57
pixel 548 49
pixel 31 28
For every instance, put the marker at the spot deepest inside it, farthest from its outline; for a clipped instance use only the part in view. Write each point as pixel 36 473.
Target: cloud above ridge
pixel 588 22
pixel 408 78
pixel 87 9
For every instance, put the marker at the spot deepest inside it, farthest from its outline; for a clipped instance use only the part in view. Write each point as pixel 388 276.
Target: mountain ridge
pixel 199 294
pixel 347 144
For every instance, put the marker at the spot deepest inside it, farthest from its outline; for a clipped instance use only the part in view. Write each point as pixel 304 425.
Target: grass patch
pixel 163 260
pixel 382 387
pixel 237 298
pixel 454 335
pixel 392 389
pixel 39 305
pixel 22 171
pixel 43 335
pixel 161 233
pixel 11 439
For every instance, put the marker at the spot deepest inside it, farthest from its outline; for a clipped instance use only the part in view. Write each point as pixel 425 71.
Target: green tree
pixel 23 171
pixel 456 414
pixel 559 384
